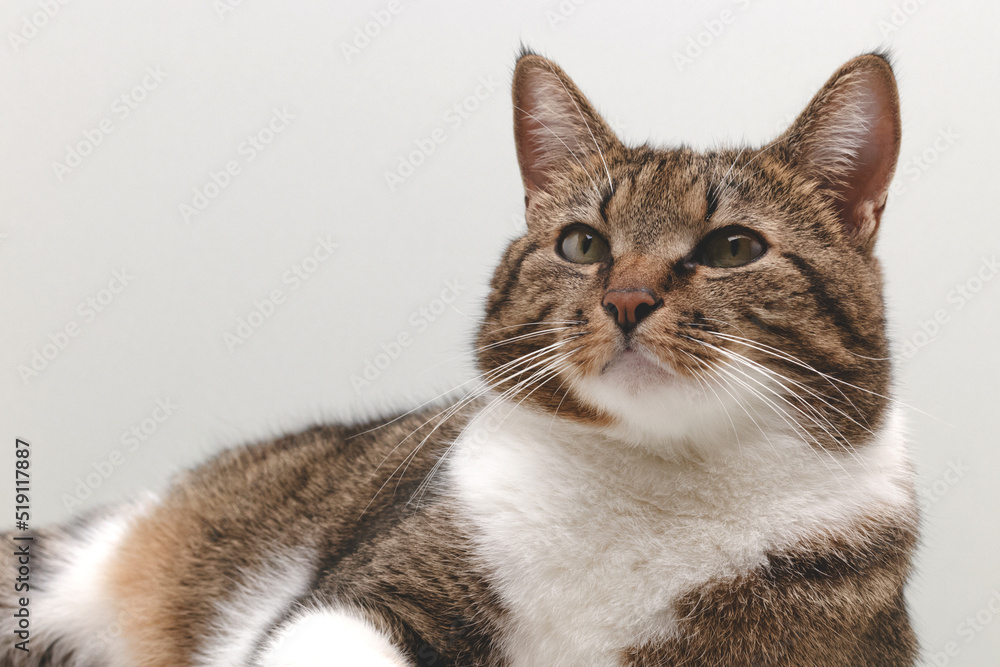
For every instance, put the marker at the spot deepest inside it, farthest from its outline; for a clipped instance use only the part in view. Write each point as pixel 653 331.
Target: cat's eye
pixel 582 245
pixel 730 247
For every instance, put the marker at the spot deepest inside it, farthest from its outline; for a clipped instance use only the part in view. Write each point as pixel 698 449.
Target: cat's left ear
pixel 848 139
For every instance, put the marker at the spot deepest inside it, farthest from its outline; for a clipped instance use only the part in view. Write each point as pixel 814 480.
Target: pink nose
pixel 628 307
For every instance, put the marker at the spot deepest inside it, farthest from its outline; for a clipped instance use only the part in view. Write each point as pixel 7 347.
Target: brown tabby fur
pixel 407 567
pixel 825 605
pixel 821 303
pixel 342 491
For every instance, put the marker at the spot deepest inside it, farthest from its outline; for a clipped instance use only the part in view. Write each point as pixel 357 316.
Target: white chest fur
pixel 591 541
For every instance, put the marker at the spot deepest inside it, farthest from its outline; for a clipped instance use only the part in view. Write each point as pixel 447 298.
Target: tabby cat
pixel 683 449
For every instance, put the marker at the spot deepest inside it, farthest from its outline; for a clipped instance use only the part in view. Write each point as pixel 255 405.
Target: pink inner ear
pixel 848 138
pixel 528 137
pixel 555 126
pixel 863 185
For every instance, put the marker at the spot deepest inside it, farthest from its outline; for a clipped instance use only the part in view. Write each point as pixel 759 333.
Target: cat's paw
pixel 331 638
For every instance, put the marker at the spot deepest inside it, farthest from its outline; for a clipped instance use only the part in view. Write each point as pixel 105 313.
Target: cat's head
pixel 674 296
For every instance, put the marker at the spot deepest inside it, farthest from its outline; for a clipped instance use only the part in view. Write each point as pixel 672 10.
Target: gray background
pixel 226 66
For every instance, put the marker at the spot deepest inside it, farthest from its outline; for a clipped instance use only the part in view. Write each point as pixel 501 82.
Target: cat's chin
pixel 635 371
pixel 651 403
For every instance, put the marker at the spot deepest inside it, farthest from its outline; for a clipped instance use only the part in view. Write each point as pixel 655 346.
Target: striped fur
pixel 725 483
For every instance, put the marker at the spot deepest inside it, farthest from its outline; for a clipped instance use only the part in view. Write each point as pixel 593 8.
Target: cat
pixel 683 450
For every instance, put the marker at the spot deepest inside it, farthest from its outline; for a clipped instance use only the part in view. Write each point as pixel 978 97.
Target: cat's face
pixel 675 296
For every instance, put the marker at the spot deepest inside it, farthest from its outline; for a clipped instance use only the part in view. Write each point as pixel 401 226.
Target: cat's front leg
pixel 331 638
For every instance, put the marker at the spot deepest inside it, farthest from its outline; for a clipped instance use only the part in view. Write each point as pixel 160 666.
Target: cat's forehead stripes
pixel 659 198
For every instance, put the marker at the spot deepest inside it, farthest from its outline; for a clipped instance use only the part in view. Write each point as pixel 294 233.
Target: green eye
pixel 582 245
pixel 733 246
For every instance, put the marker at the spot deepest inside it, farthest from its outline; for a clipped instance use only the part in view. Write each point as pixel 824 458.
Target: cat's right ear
pixel 847 140
pixel 555 126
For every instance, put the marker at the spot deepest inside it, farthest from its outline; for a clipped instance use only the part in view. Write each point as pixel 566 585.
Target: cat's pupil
pixel 734 246
pixel 586 243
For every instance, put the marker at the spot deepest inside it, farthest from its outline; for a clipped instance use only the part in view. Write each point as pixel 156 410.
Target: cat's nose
pixel 628 307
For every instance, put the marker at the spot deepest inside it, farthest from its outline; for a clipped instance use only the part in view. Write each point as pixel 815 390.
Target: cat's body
pixel 684 452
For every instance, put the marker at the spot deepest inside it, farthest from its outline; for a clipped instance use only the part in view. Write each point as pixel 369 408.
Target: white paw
pixel 331 638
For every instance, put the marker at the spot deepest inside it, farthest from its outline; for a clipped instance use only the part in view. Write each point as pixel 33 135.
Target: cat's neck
pixel 735 462
pixel 591 520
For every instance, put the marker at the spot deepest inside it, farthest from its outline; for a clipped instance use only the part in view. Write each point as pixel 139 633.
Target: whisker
pixel 704 383
pixel 764 369
pixel 489 384
pixel 830 378
pixel 539 378
pixel 791 422
pixel 781 354
pixel 761 152
pixel 796 427
pixel 725 177
pixel 728 324
pixel 501 343
pixel 835 435
pixel 528 324
pixel 561 401
pixel 714 373
pixel 439 396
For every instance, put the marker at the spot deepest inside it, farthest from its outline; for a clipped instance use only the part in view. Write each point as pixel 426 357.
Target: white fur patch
pixel 73 603
pixel 331 637
pixel 704 417
pixel 258 600
pixel 592 540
